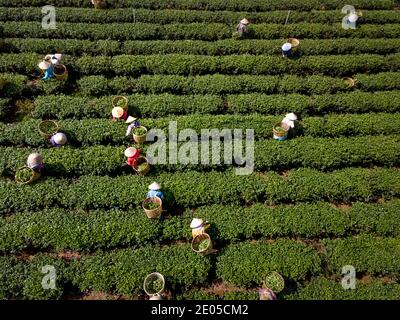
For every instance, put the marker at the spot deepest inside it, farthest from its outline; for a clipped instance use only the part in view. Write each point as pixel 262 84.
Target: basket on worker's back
pixel 140 137
pixel 154 284
pixel 202 244
pixel 47 128
pixel 26 175
pixel 61 72
pixel 141 165
pixel 121 102
pixel 294 42
pixel 274 281
pixel 152 207
pixel 99 4
pixel 350 81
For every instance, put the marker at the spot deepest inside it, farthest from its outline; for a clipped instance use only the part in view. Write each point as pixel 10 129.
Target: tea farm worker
pixel 35 162
pixel 48 69
pixel 242 27
pixel 53 58
pixel 58 140
pixel 267 294
pixel 155 191
pixel 133 123
pixel 352 18
pixel 289 119
pixel 198 226
pixel 132 154
pixel 119 113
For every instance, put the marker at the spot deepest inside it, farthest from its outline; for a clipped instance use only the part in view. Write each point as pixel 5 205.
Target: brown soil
pixel 366 279
pixel 316 244
pixel 69 255
pixel 341 206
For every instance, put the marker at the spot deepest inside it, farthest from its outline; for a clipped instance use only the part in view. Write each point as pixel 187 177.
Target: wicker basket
pixel 152 213
pixel 47 135
pixel 278 134
pixel 275 288
pixel 140 160
pixel 61 72
pixel 119 98
pixel 196 241
pixel 34 175
pixel 294 42
pixel 142 138
pixel 350 81
pixel 99 4
pixel 148 280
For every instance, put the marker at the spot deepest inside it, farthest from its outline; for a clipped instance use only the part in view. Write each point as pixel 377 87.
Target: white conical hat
pixel 196 223
pixel 353 17
pixel 291 116
pixel 130 119
pixel 34 159
pixel 117 112
pixel 44 65
pixel 60 138
pixel 154 186
pixel 244 21
pixel 130 152
pixel 286 46
pixel 58 56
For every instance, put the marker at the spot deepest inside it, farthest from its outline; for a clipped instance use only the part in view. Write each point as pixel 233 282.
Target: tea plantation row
pixel 309 47
pixel 122 271
pixel 60 229
pixel 88 132
pixel 191 189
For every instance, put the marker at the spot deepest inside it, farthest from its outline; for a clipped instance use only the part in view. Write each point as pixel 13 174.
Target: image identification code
pixel 202 309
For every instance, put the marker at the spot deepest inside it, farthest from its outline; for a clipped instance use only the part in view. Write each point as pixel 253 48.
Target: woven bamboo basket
pixel 141 138
pixel 148 281
pixel 279 284
pixel 351 82
pixel 119 98
pixel 294 42
pixel 44 133
pixel 197 240
pixel 61 72
pixel 140 160
pixel 34 175
pixel 152 213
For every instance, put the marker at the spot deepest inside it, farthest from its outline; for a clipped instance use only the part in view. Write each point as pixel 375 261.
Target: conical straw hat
pixel 291 116
pixel 34 159
pixel 286 46
pixel 117 112
pixel 196 223
pixel 58 56
pixel 44 65
pixel 244 21
pixel 130 119
pixel 154 186
pixel 130 152
pixel 60 138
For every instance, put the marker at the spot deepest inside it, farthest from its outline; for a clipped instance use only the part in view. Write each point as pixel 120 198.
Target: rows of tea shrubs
pixel 88 15
pixel 337 65
pixel 214 5
pixel 220 47
pixel 193 31
pixel 191 189
pixel 87 132
pixel 65 107
pixel 61 229
pixel 309 152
